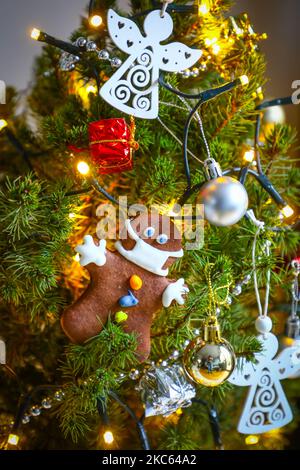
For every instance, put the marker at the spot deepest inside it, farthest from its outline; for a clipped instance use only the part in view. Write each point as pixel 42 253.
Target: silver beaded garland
pixel 46 403
pixel 58 395
pixel 103 54
pixel 80 42
pixel 175 354
pixel 195 72
pixel 35 410
pixel 67 61
pixel 91 46
pixel 116 62
pixel 237 290
pixel 246 279
pixel 134 374
pixel 26 419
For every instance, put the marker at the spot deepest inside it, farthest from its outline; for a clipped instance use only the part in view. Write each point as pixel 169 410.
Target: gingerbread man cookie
pixel 132 280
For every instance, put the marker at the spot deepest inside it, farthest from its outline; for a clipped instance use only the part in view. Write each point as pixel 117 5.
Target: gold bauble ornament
pixel 210 360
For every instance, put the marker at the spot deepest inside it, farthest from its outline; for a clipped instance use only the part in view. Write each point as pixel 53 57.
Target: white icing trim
pixel 90 252
pixel 174 291
pixel 146 256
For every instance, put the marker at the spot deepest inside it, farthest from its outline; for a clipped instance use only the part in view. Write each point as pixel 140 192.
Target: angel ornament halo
pixel 133 88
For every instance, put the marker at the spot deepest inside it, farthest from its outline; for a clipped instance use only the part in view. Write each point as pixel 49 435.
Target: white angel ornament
pixel 266 405
pixel 133 88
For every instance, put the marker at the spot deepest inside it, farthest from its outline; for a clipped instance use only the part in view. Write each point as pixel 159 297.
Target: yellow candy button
pixel 121 316
pixel 135 282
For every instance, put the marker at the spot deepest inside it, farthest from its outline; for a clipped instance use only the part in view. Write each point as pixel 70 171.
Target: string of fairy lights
pixel 250 159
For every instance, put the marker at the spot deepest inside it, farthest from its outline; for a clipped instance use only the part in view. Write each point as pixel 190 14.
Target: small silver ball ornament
pixel 224 198
pixel 91 46
pixel 81 42
pixel 116 62
pixel 103 54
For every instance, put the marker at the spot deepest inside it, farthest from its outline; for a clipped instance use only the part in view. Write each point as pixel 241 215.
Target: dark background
pixel 280 19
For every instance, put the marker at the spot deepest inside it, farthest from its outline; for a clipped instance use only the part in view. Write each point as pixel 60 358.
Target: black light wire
pixel 18 146
pixel 138 421
pixel 203 97
pixel 214 422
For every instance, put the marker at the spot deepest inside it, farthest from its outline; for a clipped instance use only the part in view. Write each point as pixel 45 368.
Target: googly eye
pixel 162 239
pixel 149 232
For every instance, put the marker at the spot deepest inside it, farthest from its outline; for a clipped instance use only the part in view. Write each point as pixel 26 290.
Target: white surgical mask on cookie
pixel 146 256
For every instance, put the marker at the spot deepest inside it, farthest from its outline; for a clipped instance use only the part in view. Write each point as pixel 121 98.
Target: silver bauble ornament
pixel 210 360
pixel 224 198
pixel 165 389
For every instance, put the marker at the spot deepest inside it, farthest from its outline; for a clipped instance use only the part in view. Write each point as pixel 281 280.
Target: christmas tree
pixel 159 108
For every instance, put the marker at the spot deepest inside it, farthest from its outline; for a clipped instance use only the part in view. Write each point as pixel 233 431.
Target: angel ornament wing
pixel 133 88
pixel 266 405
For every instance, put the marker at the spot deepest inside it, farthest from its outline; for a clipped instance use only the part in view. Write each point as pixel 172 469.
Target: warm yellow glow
pixel 249 155
pixel 91 89
pixel 260 92
pixel 3 124
pixel 95 21
pixel 35 34
pixel 274 432
pixel 13 439
pixel 251 440
pixel 172 209
pixel 83 168
pixel 244 79
pixel 287 211
pixel 210 41
pixel 108 437
pixel 203 9
pixel 76 257
pixel 215 49
pixel 179 411
pixel 286 341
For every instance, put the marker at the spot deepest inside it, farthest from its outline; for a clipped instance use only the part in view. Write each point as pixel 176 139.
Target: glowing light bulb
pixel 83 168
pixel 13 439
pixel 91 89
pixel 108 437
pixel 244 80
pixel 203 9
pixel 287 211
pixel 3 124
pixel 259 93
pixel 210 41
pixel 249 155
pixel 215 49
pixel 286 341
pixel 35 34
pixel 95 21
pixel 76 257
pixel 251 440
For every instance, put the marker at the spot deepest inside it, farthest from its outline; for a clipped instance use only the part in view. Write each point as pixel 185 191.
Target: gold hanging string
pixel 213 300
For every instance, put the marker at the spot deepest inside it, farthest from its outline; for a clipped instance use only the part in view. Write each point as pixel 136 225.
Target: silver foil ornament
pixel 165 389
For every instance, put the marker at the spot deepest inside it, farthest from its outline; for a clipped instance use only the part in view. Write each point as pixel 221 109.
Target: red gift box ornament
pixel 112 145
